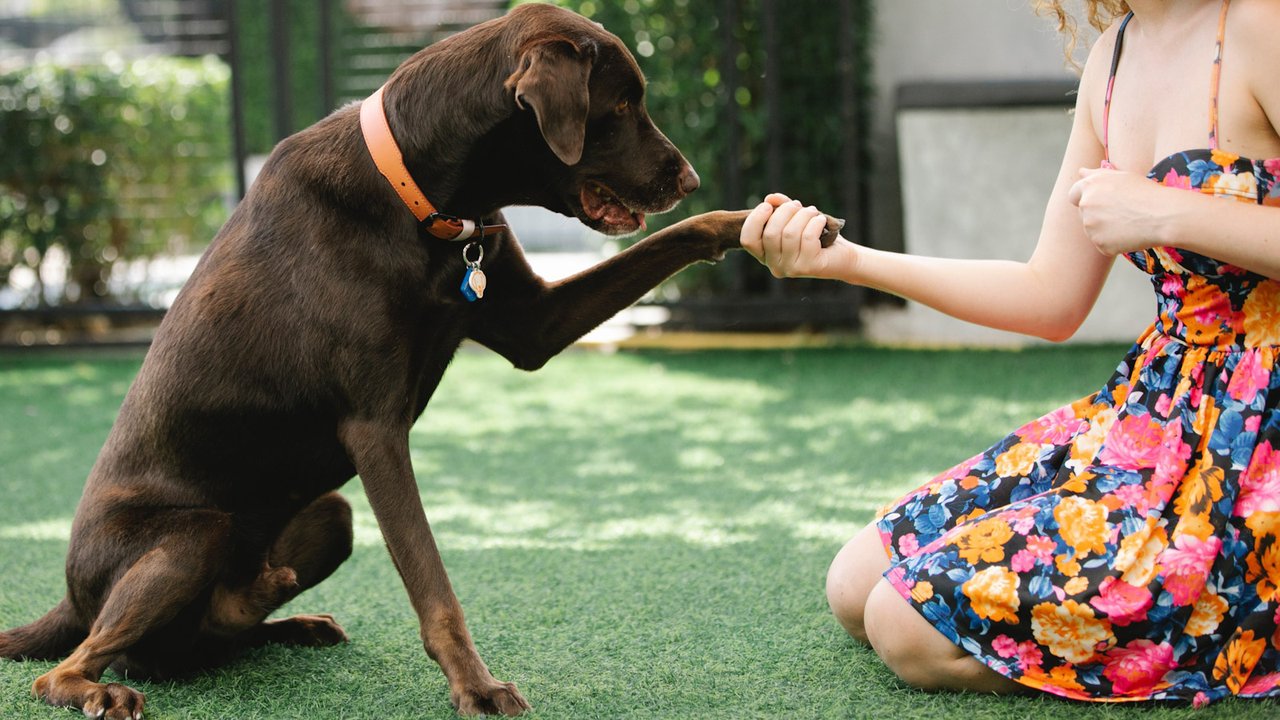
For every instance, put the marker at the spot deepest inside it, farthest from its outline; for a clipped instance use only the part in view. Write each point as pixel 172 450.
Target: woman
pixel 1127 546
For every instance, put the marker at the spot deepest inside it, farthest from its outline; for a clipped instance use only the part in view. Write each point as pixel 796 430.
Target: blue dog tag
pixel 473 284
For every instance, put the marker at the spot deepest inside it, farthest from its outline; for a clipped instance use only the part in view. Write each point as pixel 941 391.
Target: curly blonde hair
pixel 1098 13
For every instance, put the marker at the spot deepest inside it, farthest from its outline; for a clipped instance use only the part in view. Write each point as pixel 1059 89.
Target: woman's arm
pixel 1123 211
pixel 1048 296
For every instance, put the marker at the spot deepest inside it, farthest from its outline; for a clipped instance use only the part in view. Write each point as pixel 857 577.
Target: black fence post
pixel 280 67
pixel 238 143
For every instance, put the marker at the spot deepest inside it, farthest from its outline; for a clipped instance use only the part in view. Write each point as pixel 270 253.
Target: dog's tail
pixel 49 638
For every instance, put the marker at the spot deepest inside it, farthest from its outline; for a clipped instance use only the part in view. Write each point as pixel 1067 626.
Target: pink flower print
pixel 1250 376
pixel 908 545
pixel 961 470
pixel 1200 701
pixel 1164 404
pixel 1005 646
pixel 1134 496
pixel 1123 603
pixel 1272 166
pixel 1023 524
pixel 1174 180
pixel 1171 463
pixel 1136 668
pixel 1260 684
pixel 1056 428
pixel 1042 547
pixel 1173 286
pixel 1022 561
pixel 1029 655
pixel 1185 565
pixel 1260 483
pixel 1134 443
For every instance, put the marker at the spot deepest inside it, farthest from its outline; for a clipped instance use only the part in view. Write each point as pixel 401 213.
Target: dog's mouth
pixel 607 212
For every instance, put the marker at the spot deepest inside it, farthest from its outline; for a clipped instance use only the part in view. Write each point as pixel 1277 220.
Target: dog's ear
pixel 552 78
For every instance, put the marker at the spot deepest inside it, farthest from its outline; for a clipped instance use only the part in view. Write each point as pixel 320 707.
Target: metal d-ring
pixel 479 254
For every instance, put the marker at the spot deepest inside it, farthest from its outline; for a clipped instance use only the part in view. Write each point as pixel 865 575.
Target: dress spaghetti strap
pixel 1111 86
pixel 1213 87
pixel 1217 75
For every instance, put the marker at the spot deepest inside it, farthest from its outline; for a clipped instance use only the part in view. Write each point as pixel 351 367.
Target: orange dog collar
pixel 386 155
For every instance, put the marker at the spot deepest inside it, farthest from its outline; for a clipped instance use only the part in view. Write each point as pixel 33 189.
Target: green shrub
pixel 111 162
pixel 679 45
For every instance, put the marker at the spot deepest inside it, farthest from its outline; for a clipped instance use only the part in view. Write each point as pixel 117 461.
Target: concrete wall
pixel 973 181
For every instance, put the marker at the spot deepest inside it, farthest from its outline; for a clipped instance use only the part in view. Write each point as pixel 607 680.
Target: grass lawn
pixel 643 535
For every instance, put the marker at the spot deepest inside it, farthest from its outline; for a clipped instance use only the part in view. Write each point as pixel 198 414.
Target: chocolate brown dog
pixel 314 331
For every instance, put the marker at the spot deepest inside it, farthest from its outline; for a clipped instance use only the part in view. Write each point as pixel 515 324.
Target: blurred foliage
pixel 257 80
pixel 680 45
pixel 110 162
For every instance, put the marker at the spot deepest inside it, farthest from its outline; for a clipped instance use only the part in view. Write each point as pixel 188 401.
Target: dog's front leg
pixel 380 453
pixel 528 321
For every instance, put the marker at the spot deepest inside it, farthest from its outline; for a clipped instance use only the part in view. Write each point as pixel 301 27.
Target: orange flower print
pixel 1076 585
pixel 993 594
pixel 1018 460
pixel 1136 559
pixel 1237 660
pixel 1263 523
pixel 1262 316
pixel 1222 158
pixel 922 591
pixel 1241 185
pixel 1137 668
pixel 1084 449
pixel 1264 571
pixel 1070 630
pixel 1201 487
pixel 983 541
pixel 1207 312
pixel 1207 616
pixel 1083 524
pixel 1067 565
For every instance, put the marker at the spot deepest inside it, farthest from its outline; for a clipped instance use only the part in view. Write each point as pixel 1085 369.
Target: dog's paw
pixel 490 698
pixel 109 701
pixel 832 231
pixel 307 631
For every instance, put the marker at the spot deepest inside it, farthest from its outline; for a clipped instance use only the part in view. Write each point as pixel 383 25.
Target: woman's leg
pixel 872 612
pixel 853 573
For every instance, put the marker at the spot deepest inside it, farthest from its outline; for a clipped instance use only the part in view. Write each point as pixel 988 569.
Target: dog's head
pixel 586 93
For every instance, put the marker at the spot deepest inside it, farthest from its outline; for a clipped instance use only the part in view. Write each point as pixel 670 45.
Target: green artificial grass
pixel 642 535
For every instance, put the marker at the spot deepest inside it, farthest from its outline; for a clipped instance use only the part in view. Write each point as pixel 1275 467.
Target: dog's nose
pixel 689 179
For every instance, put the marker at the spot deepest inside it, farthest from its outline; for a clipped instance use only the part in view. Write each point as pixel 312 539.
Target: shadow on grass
pixel 639 535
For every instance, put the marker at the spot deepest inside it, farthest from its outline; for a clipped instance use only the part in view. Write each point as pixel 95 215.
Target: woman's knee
pixel 853 573
pixel 919 654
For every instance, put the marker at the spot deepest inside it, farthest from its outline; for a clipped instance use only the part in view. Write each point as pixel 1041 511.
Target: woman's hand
pixel 785 236
pixel 1121 211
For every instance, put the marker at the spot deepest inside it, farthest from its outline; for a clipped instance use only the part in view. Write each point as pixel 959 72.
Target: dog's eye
pixel 622 107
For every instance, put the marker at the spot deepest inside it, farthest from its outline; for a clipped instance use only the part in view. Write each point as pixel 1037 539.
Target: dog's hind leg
pixel 161 583
pixel 49 638
pixel 314 543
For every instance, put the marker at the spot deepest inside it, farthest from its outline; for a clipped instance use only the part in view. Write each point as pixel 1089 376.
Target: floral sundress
pixel 1127 546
